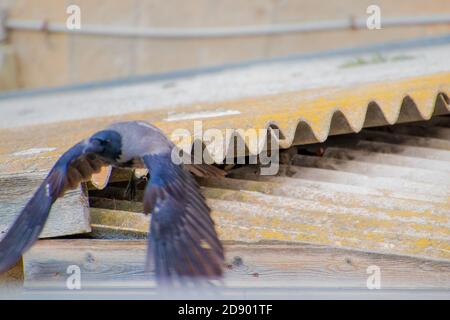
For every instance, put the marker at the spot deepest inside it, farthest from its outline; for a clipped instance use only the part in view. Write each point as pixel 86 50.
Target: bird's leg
pixel 131 188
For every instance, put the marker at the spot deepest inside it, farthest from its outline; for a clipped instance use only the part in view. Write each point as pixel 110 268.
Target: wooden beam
pixel 11 282
pixel 69 215
pixel 119 264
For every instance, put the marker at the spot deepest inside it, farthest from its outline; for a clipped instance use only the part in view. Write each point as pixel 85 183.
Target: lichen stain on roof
pixel 302 117
pixel 384 190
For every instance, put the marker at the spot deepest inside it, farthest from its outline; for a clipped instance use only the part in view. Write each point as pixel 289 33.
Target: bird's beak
pixel 93 146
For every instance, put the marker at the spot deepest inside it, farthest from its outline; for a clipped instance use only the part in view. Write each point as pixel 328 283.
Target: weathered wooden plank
pixel 437 178
pixel 117 203
pixel 403 139
pixel 11 282
pixel 420 152
pixel 328 181
pixel 119 264
pixel 69 215
pixel 113 199
pixel 359 154
pixel 111 222
pixel 110 197
pixel 327 193
pixel 348 182
pixel 224 293
pixel 252 216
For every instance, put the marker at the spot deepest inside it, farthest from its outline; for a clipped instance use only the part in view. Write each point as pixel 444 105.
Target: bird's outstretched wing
pixel 73 167
pixel 183 240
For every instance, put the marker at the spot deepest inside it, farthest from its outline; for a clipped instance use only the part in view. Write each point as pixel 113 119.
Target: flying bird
pixel 182 242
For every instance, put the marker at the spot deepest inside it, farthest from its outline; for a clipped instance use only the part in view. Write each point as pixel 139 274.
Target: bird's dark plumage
pixel 183 241
pixel 72 168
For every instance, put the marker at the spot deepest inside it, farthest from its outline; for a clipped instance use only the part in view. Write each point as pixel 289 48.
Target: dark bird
pixel 182 242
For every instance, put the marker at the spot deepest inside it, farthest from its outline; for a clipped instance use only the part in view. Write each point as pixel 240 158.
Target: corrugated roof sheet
pixel 302 117
pixel 377 191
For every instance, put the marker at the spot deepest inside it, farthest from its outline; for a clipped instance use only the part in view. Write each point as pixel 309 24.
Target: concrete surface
pixel 227 84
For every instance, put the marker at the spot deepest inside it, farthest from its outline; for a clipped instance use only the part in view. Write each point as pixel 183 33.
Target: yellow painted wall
pixel 57 59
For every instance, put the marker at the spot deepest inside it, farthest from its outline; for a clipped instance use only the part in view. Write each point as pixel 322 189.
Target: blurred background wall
pixel 33 59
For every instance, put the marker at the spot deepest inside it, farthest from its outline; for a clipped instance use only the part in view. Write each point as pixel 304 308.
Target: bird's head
pixel 106 143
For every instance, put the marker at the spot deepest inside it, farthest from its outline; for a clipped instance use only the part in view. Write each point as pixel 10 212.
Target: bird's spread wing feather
pixel 183 240
pixel 72 168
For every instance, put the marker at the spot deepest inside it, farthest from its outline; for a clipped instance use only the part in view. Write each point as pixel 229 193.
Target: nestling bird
pixel 183 241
